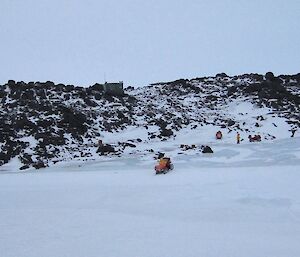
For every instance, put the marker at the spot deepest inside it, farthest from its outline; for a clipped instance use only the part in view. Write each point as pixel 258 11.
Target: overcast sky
pixel 143 41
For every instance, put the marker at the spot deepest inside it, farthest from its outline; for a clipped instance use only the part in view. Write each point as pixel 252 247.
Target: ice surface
pixel 243 200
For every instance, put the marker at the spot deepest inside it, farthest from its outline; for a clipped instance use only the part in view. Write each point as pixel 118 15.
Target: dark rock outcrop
pixel 206 149
pixel 106 149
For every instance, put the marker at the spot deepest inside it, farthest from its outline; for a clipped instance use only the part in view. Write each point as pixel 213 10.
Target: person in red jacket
pixel 219 135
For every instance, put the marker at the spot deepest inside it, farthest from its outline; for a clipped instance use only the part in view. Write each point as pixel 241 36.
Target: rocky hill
pixel 44 123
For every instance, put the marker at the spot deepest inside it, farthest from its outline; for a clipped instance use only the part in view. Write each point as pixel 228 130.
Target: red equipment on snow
pixel 219 135
pixel 256 138
pixel 164 166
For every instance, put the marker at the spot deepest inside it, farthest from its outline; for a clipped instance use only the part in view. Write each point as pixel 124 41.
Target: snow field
pixel 242 201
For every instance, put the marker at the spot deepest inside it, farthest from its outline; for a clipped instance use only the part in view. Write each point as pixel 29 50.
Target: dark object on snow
pixel 39 165
pixel 105 149
pixel 160 155
pixel 255 138
pixel 166 132
pixel 219 135
pixel 129 145
pixel 164 166
pixel 230 123
pixel 187 147
pixel 206 149
pixel 24 167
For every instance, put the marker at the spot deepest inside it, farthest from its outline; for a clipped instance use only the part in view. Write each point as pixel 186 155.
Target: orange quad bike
pixel 164 166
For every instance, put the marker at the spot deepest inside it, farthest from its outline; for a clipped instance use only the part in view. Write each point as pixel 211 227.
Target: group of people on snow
pixel 255 138
pixel 238 136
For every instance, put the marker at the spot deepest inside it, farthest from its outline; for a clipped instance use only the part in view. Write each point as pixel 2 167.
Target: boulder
pixel 26 159
pixel 160 155
pixel 24 167
pixel 90 102
pixel 39 165
pixel 206 149
pixel 105 149
pixel 230 123
pixel 166 132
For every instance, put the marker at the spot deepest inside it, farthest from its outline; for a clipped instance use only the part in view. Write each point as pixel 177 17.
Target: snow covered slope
pixel 43 123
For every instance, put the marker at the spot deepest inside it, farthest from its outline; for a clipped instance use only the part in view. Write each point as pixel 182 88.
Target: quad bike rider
pixel 164 165
pixel 219 135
